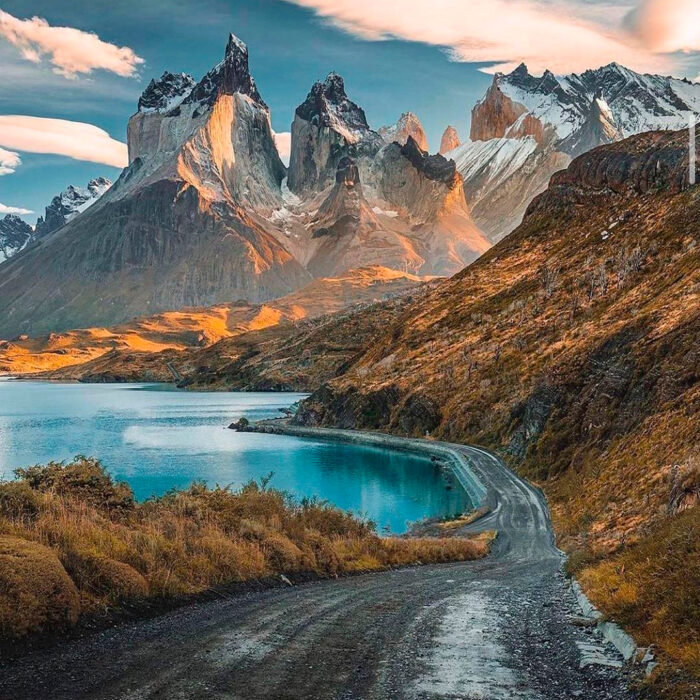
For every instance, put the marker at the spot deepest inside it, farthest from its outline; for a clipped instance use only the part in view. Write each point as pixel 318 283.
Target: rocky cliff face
pixel 185 224
pixel 538 123
pixel 203 215
pixel 450 140
pixel 407 126
pixel 68 204
pixel 15 234
pixel 327 127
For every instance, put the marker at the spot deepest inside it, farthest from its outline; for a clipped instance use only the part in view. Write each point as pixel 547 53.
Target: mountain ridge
pixel 544 121
pixel 206 211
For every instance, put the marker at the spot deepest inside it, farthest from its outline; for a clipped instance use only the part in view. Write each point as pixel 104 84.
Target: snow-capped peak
pixel 407 125
pixel 66 205
pixel 631 101
pixel 235 42
pixel 167 93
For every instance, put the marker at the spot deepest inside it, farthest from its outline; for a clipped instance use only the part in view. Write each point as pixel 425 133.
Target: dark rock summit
pixel 166 93
pixel 230 76
pixel 327 126
pixel 434 167
pixel 14 235
pixel 327 104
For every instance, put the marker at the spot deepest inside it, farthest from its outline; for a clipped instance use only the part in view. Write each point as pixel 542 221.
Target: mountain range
pixel 206 212
pixel 570 348
pixel 528 127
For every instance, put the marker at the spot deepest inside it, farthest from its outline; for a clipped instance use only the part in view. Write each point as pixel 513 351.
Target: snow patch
pixel 383 212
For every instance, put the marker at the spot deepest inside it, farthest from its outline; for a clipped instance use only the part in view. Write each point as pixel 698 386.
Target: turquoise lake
pixel 157 438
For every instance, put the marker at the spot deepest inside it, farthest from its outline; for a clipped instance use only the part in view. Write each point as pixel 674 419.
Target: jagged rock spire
pixel 450 140
pixel 327 104
pixel 231 76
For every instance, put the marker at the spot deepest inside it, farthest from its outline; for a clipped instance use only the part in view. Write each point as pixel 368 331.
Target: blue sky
pixel 426 56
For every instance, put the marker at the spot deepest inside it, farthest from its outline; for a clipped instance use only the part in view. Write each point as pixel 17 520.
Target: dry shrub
pixel 105 578
pixel 84 478
pixel 18 500
pixel 187 541
pixel 35 591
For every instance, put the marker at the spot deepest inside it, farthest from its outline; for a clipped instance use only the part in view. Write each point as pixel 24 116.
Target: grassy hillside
pixel 73 543
pixel 173 332
pixel 572 348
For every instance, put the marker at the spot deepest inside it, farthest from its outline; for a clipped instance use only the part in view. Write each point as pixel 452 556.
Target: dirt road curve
pixel 488 630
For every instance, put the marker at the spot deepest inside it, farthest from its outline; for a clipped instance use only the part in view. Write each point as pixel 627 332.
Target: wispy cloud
pixel 61 137
pixel 4 209
pixel 502 33
pixel 667 26
pixel 283 141
pixel 9 161
pixel 71 51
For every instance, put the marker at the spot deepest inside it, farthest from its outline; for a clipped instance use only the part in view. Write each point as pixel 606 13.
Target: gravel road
pixel 492 629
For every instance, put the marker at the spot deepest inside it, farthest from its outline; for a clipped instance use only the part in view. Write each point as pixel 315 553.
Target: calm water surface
pixel 157 438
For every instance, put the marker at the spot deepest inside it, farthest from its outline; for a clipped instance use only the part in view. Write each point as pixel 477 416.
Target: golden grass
pixel 178 331
pixel 112 550
pixel 653 589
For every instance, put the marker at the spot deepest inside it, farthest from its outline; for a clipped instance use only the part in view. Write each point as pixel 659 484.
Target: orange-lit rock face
pixel 494 115
pixel 450 140
pixel 407 125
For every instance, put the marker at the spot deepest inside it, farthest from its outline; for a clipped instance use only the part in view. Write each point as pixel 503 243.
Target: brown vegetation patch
pixel 35 591
pixel 115 550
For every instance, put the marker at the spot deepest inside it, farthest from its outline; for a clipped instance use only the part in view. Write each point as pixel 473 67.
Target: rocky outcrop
pixel 650 162
pixel 68 204
pixel 407 126
pixel 327 126
pixel 167 93
pixel 450 140
pixel 15 234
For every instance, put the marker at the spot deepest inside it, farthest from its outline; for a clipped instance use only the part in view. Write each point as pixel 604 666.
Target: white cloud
pixel 4 209
pixel 283 141
pixel 667 26
pixel 9 161
pixel 71 51
pixel 62 137
pixel 502 33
